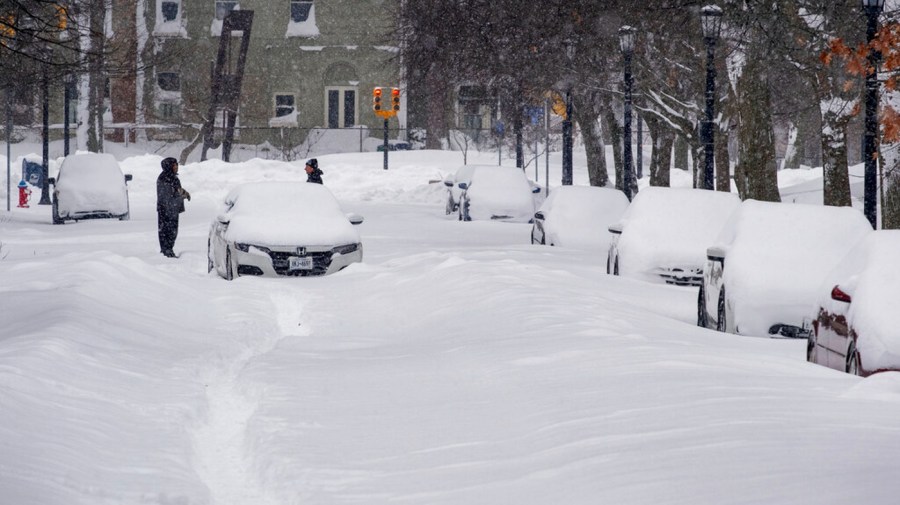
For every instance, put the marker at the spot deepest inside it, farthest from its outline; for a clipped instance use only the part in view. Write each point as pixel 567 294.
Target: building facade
pixel 309 64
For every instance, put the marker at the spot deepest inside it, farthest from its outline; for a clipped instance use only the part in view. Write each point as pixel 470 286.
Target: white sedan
pixel 282 229
pixel 90 186
pixel 578 216
pixel 763 273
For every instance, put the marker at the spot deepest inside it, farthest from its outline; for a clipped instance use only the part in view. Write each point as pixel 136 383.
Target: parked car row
pixel 762 268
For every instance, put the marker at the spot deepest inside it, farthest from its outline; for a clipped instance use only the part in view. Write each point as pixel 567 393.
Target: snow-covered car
pixel 857 325
pixel 664 233
pixel 762 273
pixel 463 173
pixel 90 186
pixel 497 193
pixel 578 216
pixel 282 229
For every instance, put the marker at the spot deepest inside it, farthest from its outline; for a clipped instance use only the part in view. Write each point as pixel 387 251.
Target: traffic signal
pixel 395 99
pixel 376 99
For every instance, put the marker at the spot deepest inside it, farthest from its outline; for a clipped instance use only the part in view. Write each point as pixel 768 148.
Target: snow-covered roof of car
pixel 779 255
pixel 579 216
pixel 286 213
pixel 672 227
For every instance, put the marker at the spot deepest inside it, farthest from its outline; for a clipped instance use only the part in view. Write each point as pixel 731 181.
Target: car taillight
pixel 839 295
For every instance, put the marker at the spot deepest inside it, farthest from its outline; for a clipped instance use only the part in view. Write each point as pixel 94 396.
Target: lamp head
pixel 711 21
pixel 626 39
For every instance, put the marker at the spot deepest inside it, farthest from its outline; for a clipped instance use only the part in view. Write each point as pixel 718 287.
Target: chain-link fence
pixel 294 143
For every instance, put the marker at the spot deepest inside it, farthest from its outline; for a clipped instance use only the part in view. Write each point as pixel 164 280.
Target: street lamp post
pixel 711 21
pixel 626 40
pixel 567 121
pixel 873 10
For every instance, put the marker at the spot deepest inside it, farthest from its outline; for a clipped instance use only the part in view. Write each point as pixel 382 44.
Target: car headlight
pixel 345 249
pixel 246 247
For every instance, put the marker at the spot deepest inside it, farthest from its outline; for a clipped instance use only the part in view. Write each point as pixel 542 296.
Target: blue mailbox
pixel 33 173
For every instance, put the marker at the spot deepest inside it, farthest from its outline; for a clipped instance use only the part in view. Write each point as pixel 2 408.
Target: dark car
pixel 857 325
pixel 90 186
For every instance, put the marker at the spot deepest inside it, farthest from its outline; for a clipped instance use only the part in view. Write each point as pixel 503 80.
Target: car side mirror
pixel 536 189
pixel 355 219
pixel 539 215
pixel 51 180
pixel 448 183
pixel 463 186
pixel 223 218
pixel 615 229
pixel 716 253
pixel 128 177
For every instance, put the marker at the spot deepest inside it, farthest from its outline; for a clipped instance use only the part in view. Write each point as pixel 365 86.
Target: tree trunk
pixel 836 184
pixel 756 167
pixel 891 203
pixel 588 120
pixel 615 133
pixel 661 154
pixel 681 153
pixel 723 161
pixel 96 81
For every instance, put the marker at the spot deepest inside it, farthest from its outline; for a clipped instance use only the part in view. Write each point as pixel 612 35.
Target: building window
pixel 168 81
pixel 223 7
pixel 170 10
pixel 340 107
pixel 300 10
pixel 169 111
pixel 284 105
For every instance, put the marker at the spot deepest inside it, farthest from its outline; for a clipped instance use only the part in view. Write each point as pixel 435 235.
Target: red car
pixel 857 326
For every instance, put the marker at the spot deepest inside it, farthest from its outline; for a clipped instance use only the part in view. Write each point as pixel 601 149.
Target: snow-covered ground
pixel 458 364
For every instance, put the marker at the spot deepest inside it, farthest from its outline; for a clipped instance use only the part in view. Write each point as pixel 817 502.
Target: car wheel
pixel 209 257
pixel 55 212
pixel 229 270
pixel 616 266
pixel 721 322
pixel 702 316
pixel 852 359
pixel 127 215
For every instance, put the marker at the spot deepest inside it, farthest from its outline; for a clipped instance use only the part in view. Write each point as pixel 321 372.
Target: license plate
pixel 300 263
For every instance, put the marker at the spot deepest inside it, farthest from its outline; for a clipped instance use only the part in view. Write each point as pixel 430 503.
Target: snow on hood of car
pixel 780 254
pixel 286 213
pixel 580 216
pixel 500 191
pixel 671 227
pixel 91 182
pixel 870 274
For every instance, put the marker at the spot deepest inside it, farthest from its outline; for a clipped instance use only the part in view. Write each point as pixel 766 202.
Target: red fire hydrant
pixel 24 194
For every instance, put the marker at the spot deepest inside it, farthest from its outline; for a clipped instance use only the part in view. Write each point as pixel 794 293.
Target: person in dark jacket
pixel 170 197
pixel 313 174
